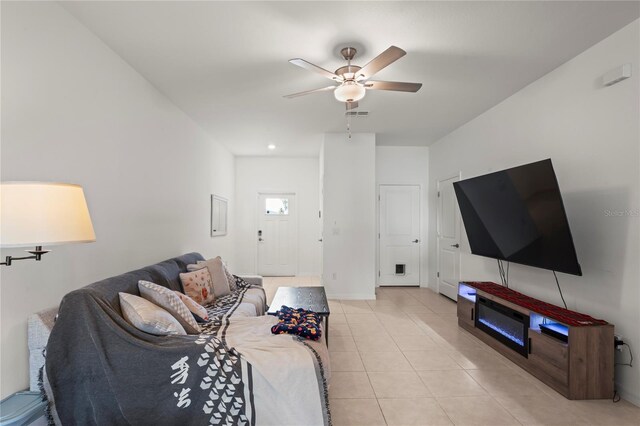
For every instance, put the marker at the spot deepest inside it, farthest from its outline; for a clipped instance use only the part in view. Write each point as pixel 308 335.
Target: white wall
pixel 592 135
pixel 406 165
pixel 349 224
pixel 277 174
pixel 74 111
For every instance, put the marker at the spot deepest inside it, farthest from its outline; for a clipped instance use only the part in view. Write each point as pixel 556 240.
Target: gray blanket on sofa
pixel 101 370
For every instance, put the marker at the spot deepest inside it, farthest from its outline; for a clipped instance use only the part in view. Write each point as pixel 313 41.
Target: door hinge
pixel 378 235
pixel 378 273
pixel 438 274
pixel 378 198
pixel 438 194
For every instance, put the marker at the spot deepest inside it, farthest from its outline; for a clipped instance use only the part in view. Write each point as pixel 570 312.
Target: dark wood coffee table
pixel 309 298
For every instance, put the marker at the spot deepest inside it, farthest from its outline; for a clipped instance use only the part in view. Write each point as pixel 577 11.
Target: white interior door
pixel 448 227
pixel 399 235
pixel 277 235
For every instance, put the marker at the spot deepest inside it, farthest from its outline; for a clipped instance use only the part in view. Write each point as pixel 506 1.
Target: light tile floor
pixel 402 360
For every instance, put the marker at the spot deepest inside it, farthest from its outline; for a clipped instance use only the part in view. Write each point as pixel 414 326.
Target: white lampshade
pixel 43 214
pixel 349 91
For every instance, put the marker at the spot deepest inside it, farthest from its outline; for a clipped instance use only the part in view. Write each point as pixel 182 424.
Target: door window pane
pixel 277 206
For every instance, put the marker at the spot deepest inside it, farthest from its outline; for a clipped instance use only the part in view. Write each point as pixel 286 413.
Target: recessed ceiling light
pixel 271 146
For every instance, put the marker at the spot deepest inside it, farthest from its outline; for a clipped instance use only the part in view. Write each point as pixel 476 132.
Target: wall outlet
pixel 617 342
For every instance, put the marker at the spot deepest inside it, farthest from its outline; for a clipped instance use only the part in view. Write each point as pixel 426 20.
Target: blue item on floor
pixel 21 408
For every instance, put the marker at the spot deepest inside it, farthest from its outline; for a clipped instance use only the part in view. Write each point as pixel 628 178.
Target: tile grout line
pixel 505 408
pixel 411 319
pixel 445 319
pixel 423 382
pixel 478 383
pixel 371 384
pixel 444 411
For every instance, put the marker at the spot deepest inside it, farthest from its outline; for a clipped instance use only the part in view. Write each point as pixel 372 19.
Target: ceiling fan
pixel 354 80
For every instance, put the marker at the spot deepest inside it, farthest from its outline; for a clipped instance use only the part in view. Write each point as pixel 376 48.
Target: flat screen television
pixel 517 215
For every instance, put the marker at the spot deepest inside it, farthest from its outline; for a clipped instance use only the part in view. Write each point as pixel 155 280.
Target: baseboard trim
pixel 628 395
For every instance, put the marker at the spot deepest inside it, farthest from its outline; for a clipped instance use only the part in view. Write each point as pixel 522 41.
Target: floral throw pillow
pixel 198 286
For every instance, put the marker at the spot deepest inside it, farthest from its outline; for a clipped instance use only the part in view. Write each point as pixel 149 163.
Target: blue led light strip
pixel 558 328
pixel 502 332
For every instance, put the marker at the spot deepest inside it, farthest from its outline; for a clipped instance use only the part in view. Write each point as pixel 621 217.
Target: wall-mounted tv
pixel 517 215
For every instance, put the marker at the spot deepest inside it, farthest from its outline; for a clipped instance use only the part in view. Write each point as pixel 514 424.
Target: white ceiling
pixel 225 63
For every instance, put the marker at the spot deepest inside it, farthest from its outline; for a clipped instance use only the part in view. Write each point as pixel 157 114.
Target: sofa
pixel 99 369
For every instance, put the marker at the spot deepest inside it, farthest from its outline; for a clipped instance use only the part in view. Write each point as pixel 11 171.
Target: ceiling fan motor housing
pixel 348 72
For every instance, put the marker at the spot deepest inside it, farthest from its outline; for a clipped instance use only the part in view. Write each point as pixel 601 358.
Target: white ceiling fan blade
pixel 322 89
pixel 384 59
pixel 351 105
pixel 311 67
pixel 393 85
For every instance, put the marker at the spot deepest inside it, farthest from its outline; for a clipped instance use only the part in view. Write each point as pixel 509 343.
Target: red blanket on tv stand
pixel 565 316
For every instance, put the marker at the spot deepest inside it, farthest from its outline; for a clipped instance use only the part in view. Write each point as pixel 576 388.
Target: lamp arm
pixel 36 255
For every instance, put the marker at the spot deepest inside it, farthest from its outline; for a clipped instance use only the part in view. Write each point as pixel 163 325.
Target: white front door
pixel 448 235
pixel 399 235
pixel 277 235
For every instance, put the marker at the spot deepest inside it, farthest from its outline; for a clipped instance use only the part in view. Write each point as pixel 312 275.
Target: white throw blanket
pixel 288 384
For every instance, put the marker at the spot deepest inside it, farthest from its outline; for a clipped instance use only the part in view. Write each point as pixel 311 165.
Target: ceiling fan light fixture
pixel 349 91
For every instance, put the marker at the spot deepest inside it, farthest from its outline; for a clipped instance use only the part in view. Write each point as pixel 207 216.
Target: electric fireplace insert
pixel 506 325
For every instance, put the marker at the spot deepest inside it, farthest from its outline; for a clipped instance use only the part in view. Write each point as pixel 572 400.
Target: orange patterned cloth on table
pixel 300 322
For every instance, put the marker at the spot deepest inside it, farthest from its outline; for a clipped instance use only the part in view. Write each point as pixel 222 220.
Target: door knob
pixel 320 240
pixel 416 241
pixel 456 245
pixel 260 239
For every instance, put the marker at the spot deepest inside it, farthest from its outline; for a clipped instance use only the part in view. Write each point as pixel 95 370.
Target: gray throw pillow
pixel 169 301
pixel 230 278
pixel 147 317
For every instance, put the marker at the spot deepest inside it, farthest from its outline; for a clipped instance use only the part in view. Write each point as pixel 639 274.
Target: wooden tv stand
pixel 580 368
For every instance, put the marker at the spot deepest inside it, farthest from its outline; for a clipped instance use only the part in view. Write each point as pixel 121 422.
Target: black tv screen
pixel 517 215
